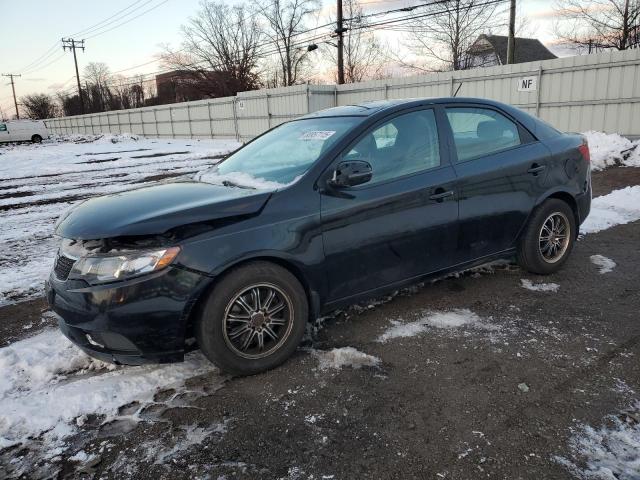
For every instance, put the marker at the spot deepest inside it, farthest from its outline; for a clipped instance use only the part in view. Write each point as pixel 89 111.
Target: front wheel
pixel 253 319
pixel 548 238
pixel 36 139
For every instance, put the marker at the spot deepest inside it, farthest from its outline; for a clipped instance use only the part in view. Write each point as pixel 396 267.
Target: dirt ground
pixel 442 404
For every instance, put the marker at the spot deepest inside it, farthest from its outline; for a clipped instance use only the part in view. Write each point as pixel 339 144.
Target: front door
pixel 501 172
pixel 400 224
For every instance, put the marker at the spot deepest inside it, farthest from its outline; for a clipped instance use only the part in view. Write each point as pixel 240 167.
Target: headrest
pixel 490 130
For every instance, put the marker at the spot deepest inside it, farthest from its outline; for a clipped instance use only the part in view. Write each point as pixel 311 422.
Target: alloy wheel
pixel 258 320
pixel 554 237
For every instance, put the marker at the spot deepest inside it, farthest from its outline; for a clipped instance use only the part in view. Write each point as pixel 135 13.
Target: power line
pixel 127 21
pixel 100 23
pixel 42 67
pixel 390 24
pixel 42 57
pixel 36 64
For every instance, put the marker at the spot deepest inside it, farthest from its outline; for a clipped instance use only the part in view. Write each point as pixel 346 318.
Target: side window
pixel 3 127
pixel 480 131
pixel 405 144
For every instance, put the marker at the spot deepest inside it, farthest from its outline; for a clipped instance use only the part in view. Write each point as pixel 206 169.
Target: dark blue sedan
pixel 313 215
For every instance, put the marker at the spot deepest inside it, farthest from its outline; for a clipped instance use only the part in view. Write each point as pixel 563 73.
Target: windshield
pixel 280 157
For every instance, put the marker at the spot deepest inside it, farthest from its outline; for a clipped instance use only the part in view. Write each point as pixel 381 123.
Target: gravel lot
pixel 497 381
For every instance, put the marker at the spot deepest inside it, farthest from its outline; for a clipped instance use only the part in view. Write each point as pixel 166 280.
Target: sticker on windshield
pixel 317 135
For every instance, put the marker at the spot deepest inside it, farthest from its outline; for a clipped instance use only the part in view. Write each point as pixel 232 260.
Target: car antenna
pixel 457 90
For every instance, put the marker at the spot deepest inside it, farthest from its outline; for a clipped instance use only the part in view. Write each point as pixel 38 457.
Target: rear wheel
pixel 36 139
pixel 548 238
pixel 253 319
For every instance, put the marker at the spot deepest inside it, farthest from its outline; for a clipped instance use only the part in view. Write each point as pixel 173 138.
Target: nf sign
pixel 527 84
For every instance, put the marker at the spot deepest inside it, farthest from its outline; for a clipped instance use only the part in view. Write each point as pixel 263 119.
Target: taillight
pixel 584 151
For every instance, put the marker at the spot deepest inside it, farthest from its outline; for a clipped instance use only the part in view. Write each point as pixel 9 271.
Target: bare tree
pixel 127 93
pixel 447 31
pixel 220 51
pixel 286 20
pixel 599 24
pixel 363 52
pixel 39 106
pixel 97 94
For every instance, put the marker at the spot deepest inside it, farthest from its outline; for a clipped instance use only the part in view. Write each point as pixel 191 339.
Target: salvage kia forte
pixel 315 214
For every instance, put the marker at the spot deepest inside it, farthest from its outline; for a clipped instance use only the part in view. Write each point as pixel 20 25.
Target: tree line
pixel 228 48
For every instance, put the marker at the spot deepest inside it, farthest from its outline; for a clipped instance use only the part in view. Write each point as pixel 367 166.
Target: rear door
pixel 501 170
pixel 4 132
pixel 400 224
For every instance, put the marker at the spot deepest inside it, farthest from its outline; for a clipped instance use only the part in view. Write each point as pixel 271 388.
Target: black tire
pixel 36 139
pixel 214 332
pixel 533 252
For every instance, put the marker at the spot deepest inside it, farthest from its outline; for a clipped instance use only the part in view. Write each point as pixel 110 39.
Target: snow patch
pixel 338 358
pixel 48 383
pixel 610 452
pixel 604 264
pixel 617 208
pixel 607 150
pixel 539 287
pixel 445 320
pixel 236 178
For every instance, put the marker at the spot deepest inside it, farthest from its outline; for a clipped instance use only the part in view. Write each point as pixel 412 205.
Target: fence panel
pixel 590 92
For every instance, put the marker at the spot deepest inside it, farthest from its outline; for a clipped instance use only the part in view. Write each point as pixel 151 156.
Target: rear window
pixel 480 131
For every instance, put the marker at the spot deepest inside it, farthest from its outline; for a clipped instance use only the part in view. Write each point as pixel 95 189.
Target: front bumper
pixel 138 321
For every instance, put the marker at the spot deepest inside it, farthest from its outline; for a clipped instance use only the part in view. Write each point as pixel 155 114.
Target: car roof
pixel 366 109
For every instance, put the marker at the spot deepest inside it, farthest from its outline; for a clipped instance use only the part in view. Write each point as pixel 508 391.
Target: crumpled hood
pixel 157 209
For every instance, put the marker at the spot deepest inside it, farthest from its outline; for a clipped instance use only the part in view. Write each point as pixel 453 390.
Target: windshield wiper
pixel 228 183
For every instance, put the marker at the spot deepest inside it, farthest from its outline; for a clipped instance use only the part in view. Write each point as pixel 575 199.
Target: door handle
pixel 536 169
pixel 441 195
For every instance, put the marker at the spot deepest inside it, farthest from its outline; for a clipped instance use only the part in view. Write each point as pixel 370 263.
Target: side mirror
pixel 351 173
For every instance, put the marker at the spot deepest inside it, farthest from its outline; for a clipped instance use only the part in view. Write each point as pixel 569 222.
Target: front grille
pixel 63 266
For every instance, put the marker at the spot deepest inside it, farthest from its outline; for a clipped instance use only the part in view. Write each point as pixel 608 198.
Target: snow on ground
pixel 338 358
pixel 39 182
pixel 445 320
pixel 604 264
pixel 608 150
pixel 47 386
pixel 609 452
pixel 617 208
pixel 539 287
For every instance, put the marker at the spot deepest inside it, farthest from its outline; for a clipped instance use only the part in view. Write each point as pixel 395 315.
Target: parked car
pixel 316 214
pixel 23 131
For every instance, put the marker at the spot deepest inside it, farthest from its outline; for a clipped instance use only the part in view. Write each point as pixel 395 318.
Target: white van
pixel 23 131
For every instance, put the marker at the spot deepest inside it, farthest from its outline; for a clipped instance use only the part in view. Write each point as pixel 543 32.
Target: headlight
pixel 108 268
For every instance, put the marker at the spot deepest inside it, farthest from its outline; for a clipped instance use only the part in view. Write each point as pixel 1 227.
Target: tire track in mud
pixel 138 180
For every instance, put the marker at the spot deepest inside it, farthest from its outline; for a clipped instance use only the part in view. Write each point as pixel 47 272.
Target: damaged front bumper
pixel 133 322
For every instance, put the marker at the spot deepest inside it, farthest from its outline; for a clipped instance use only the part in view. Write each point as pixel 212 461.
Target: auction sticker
pixel 317 135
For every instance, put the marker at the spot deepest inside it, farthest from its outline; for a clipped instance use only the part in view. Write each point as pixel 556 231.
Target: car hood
pixel 157 209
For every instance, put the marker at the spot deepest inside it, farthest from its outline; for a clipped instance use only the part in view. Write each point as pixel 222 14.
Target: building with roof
pixel 491 50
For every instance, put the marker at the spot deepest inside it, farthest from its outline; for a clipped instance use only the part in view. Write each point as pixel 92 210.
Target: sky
pixel 31 30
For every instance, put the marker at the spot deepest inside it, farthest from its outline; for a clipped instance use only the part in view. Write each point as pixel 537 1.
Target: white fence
pixel 589 92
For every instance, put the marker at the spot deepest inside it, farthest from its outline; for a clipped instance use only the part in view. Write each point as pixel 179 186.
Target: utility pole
pixel 13 87
pixel 72 44
pixel 340 32
pixel 511 43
